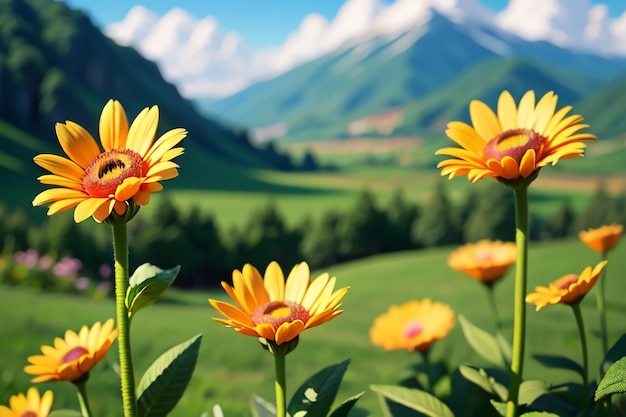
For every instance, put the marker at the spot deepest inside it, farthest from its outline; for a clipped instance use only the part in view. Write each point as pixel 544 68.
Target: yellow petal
pixel 128 188
pixel 77 143
pixel 544 112
pixel 51 179
pixel 60 166
pixel 315 290
pixel 288 331
pixel 297 283
pixel 87 207
pixel 465 136
pixel 527 164
pixel 56 194
pixel 165 143
pixel 142 131
pixel 507 111
pixel 104 211
pixel 232 312
pixel 484 120
pixel 113 126
pixel 525 110
pixel 274 282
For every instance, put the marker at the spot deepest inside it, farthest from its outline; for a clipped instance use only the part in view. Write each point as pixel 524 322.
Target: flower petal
pixel 142 131
pixel 77 143
pixel 113 126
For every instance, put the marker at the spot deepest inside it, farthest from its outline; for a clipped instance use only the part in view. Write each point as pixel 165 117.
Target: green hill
pixel 604 110
pixel 55 65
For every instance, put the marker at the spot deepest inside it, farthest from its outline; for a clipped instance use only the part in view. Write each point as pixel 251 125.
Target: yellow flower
pixel 74 356
pixel 485 261
pixel 569 289
pixel 414 325
pixel 602 239
pixel 275 309
pixel 514 143
pixel 29 405
pixel 126 169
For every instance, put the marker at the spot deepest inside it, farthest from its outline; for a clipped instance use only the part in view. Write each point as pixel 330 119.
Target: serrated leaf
pixel 65 413
pixel 615 353
pixel 346 406
pixel 316 395
pixel 614 381
pixel 166 379
pixel 261 407
pixel 482 342
pixel 414 399
pixel 147 284
pixel 484 381
pixel 561 362
pixel 530 390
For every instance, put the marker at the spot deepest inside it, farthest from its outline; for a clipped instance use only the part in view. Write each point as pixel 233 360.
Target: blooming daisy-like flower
pixel 514 143
pixel 29 405
pixel 486 260
pixel 277 310
pixel 414 325
pixel 569 289
pixel 98 181
pixel 73 356
pixel 602 239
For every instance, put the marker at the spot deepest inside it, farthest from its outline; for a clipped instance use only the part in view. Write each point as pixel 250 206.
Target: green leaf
pixel 167 378
pixel 539 414
pixel 499 406
pixel 505 349
pixel 614 381
pixel 615 353
pixel 487 346
pixel 386 412
pixel 316 395
pixel 531 389
pixel 414 399
pixel 484 381
pixel 554 361
pixel 146 285
pixel 346 406
pixel 261 407
pixel 65 413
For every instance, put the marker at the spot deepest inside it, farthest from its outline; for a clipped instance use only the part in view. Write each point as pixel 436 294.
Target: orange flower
pixel 514 143
pixel 569 289
pixel 29 405
pixel 275 309
pixel 486 260
pixel 414 325
pixel 602 239
pixel 74 356
pixel 97 181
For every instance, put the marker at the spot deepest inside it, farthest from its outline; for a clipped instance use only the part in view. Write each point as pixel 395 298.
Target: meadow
pixel 231 367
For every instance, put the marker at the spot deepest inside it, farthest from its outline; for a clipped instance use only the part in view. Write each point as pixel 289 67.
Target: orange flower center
pixel 514 143
pixel 483 256
pixel 109 170
pixel 279 312
pixel 28 413
pixel 566 281
pixel 73 354
pixel 412 329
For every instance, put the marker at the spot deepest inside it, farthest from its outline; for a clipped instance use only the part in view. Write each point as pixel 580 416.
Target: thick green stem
pixel 120 248
pixel 600 301
pixel 280 385
pixel 519 305
pixel 82 398
pixel 583 345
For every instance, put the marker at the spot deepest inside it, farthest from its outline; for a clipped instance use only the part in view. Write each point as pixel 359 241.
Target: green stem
pixel 83 400
pixel 583 344
pixel 600 301
pixel 120 249
pixel 280 385
pixel 519 306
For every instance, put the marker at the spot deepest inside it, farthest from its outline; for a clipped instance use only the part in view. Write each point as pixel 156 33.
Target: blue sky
pixel 261 23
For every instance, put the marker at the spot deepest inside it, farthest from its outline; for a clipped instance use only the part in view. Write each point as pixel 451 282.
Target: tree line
pixel 208 252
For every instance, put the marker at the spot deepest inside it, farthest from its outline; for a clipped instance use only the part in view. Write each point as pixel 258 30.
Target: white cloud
pixel 202 60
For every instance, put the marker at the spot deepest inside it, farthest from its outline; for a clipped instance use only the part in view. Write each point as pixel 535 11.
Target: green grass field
pixel 231 367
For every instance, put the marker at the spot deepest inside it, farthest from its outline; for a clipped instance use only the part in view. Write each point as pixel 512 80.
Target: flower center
pixel 109 170
pixel 279 312
pixel 513 143
pixel 74 354
pixel 28 413
pixel 566 281
pixel 483 255
pixel 412 329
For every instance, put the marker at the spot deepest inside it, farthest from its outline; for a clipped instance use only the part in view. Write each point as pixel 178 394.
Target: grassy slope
pixel 231 367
